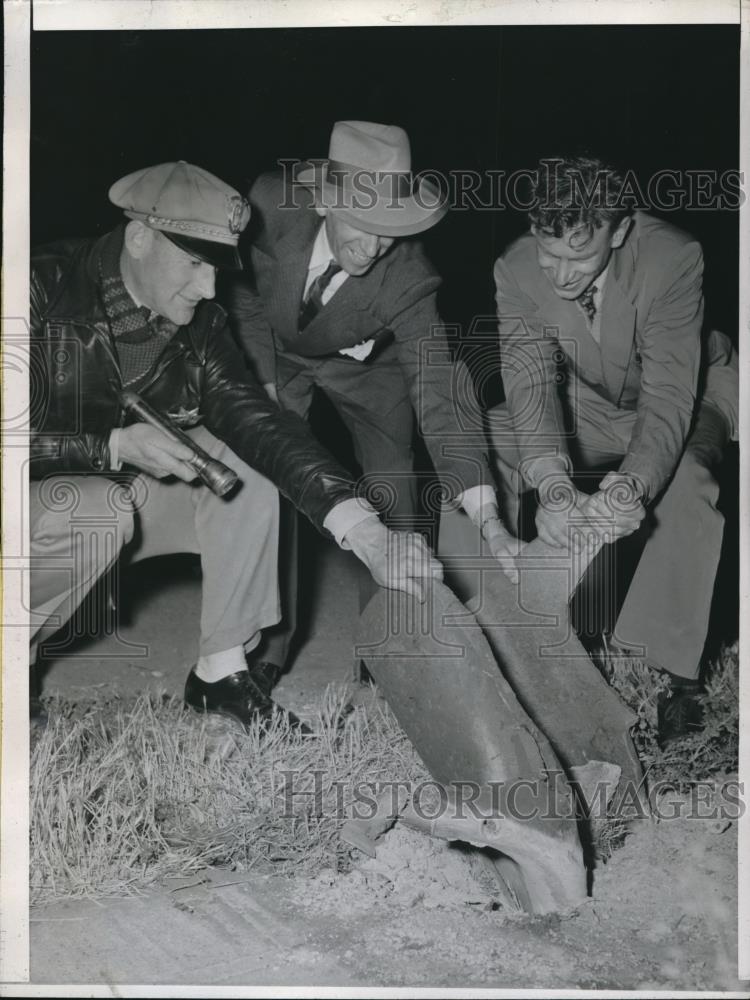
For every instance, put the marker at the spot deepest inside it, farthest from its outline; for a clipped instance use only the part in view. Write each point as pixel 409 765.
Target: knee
pixel 254 490
pixel 500 428
pixel 692 472
pixel 394 496
pixel 119 504
pixel 63 506
pixel 389 480
pixel 694 484
pixel 254 502
pixel 710 436
pixel 107 507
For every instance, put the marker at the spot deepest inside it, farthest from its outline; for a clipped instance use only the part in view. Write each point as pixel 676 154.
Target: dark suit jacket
pixel 649 355
pixel 394 303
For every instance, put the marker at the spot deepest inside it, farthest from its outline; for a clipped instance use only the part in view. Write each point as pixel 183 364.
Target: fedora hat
pixel 194 209
pixel 367 180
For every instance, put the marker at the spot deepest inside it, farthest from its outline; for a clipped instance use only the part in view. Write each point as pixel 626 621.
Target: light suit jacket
pixel 649 354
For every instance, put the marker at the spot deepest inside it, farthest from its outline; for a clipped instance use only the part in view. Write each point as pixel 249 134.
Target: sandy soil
pixel 662 916
pixel 420 914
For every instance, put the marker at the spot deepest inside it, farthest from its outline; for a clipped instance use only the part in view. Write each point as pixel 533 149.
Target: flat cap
pixel 193 208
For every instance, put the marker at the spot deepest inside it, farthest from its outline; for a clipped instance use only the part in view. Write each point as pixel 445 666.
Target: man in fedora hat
pixel 340 298
pixel 132 311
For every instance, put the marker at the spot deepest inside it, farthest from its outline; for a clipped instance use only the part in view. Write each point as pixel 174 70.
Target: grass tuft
pixel 700 756
pixel 127 793
pixel 704 756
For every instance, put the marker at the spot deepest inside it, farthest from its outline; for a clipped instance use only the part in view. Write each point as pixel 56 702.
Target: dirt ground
pixel 662 914
pixel 662 917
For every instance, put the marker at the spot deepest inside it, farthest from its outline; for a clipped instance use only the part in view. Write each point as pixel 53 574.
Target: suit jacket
pixel 650 346
pixel 394 304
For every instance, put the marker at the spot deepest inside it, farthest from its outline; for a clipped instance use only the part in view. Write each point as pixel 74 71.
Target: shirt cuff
pixel 536 470
pixel 340 519
pixel 360 352
pixel 646 477
pixel 476 497
pixel 114 450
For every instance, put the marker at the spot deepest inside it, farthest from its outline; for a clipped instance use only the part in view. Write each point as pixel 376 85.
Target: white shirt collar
pixel 321 251
pixel 320 257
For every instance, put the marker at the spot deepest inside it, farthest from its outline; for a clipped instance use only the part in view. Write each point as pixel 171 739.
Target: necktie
pixel 313 301
pixel 586 302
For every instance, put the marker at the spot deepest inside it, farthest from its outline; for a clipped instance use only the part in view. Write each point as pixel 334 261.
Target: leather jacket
pixel 200 377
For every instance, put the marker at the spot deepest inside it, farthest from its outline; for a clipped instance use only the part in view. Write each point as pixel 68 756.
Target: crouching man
pixel 130 311
pixel 605 362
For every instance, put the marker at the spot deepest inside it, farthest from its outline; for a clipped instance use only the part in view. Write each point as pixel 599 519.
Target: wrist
pixel 491 520
pixel 555 486
pixel 115 464
pixel 537 470
pixel 365 532
pixel 344 517
pixel 624 489
pixel 485 512
pixel 478 501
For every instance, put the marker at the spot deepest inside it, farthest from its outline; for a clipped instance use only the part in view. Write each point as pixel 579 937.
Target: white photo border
pixel 113 15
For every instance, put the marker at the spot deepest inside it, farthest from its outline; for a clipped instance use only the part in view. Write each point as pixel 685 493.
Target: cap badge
pixel 237 213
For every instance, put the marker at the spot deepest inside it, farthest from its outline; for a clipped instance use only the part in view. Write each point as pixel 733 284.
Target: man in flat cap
pixel 341 299
pixel 131 311
pixel 606 365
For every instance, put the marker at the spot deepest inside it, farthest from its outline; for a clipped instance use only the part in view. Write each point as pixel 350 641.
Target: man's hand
pixel 558 501
pixel 149 449
pixel 617 506
pixel 399 560
pixel 503 546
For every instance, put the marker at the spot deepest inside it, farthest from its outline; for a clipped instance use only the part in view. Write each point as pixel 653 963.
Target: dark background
pixel 485 98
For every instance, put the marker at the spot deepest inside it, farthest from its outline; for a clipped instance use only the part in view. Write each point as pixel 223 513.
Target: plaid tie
pixel 586 302
pixel 313 301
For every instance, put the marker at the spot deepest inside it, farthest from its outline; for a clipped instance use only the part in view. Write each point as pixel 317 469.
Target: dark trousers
pixel 372 399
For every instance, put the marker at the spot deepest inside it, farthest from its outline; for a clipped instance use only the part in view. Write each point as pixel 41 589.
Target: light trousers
pixel 81 525
pixel 665 614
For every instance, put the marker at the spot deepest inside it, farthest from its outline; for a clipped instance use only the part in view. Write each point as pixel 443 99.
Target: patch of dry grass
pixel 708 755
pixel 699 756
pixel 714 750
pixel 127 793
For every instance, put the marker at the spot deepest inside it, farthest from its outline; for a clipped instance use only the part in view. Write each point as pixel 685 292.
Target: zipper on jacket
pixel 104 340
pixel 161 368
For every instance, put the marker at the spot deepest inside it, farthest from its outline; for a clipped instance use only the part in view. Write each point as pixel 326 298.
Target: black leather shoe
pixel 264 673
pixel 239 697
pixel 679 713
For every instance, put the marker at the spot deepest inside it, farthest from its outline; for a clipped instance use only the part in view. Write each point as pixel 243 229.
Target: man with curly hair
pixel 606 366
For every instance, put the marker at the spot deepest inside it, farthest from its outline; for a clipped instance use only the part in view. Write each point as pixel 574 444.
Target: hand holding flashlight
pixel 219 478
